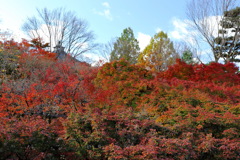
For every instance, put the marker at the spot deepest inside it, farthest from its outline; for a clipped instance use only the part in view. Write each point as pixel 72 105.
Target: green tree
pixel 187 57
pixel 228 43
pixel 126 47
pixel 159 54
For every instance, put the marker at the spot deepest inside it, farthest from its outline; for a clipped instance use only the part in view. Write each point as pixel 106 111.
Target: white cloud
pixel 183 32
pixel 91 56
pixel 11 27
pixel 106 4
pixel 175 34
pixel 158 30
pixel 106 12
pixel 143 40
pixel 180 29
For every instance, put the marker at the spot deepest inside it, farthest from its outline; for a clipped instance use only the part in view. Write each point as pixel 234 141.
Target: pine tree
pixel 126 47
pixel 228 41
pixel 187 57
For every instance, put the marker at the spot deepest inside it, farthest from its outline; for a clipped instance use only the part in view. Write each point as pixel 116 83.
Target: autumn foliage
pixel 51 109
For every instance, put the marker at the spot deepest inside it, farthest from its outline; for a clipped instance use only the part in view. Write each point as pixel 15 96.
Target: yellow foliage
pixel 159 54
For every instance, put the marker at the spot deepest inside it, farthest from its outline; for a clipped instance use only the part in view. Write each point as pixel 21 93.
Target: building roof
pixel 59 49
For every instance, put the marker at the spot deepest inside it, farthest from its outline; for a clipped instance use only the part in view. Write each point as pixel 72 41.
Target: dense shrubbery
pixel 53 109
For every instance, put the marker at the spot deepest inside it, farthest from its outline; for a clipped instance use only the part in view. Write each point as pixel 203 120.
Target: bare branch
pixel 206 16
pixel 60 25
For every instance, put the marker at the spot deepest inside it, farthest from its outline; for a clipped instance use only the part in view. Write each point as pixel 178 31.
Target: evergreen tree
pixel 187 57
pixel 228 41
pixel 126 47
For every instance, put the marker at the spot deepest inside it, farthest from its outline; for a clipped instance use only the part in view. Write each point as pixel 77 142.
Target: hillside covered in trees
pixel 66 109
pixel 160 102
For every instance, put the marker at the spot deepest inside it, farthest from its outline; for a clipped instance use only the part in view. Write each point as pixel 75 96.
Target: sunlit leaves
pixel 126 83
pixel 159 54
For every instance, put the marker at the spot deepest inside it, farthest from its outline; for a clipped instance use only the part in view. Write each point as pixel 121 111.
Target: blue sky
pixel 106 18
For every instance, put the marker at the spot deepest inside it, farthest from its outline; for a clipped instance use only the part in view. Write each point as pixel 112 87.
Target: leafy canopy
pixel 126 47
pixel 159 54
